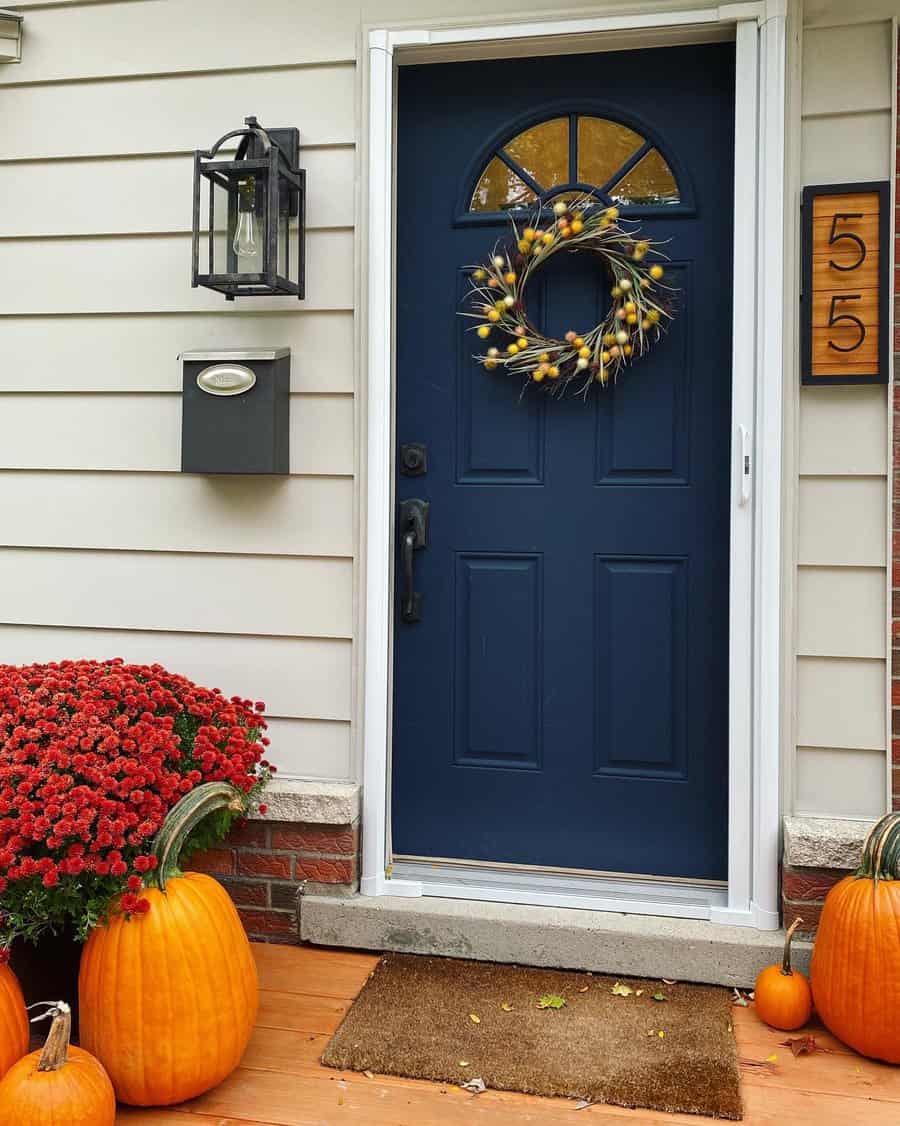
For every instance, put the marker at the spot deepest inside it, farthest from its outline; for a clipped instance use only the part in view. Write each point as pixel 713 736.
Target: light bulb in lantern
pixel 244 242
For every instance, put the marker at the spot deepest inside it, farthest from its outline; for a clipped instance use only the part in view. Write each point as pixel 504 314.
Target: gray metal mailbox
pixel 236 411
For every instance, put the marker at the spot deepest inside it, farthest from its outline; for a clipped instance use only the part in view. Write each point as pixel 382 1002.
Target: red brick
pixel 215 861
pixel 264 864
pixel 334 840
pixel 284 896
pixel 247 893
pixel 801 884
pixel 252 834
pixel 810 913
pixel 895 752
pixel 269 923
pixel 325 871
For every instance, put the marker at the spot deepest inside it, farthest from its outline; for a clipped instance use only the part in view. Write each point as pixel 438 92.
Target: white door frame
pixel 755 546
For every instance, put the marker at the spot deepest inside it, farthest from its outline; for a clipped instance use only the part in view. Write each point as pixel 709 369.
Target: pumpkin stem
pixel 184 817
pixel 55 1053
pixel 786 967
pixel 881 852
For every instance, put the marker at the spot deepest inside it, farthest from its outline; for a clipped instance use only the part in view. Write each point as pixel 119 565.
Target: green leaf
pixel 551 1001
pixel 660 997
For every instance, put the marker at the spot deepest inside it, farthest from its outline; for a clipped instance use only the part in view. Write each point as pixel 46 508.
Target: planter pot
pixel 48 970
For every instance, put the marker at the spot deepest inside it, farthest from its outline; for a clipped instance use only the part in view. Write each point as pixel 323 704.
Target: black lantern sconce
pixel 260 251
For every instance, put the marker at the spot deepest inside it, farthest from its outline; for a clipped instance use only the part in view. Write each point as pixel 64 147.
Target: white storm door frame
pixel 756 471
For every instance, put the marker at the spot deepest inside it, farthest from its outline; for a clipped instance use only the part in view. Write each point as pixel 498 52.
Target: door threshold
pixel 498 883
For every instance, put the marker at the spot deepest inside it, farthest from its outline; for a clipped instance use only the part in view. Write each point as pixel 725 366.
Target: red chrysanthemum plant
pixel 93 755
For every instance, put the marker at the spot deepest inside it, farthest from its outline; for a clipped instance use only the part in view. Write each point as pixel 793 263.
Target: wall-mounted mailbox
pixel 236 411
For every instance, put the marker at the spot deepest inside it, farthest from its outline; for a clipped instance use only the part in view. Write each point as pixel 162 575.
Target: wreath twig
pixel 641 306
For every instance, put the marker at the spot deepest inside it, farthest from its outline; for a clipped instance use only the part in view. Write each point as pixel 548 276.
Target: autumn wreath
pixel 640 309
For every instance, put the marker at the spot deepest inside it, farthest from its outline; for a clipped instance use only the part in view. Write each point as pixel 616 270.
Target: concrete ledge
pixel 824 842
pixel 634 945
pixel 318 803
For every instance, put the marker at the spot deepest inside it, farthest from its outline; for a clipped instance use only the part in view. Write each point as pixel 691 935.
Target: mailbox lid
pixel 237 355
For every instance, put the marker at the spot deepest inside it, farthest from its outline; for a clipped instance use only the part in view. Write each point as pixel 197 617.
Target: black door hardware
pixel 413 522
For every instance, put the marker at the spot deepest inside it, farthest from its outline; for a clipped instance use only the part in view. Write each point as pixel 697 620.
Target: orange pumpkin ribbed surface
pixel 855 971
pixel 782 996
pixel 58 1086
pixel 169 998
pixel 14 1030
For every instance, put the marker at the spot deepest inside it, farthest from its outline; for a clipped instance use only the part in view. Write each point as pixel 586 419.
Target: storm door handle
pixel 413 537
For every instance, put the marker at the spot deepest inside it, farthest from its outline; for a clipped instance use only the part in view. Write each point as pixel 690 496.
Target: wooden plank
pixel 143 433
pixel 307 748
pixel 206 593
pixel 171 512
pixel 145 115
pixel 146 195
pixel 843 431
pixel 298 678
pixel 831 145
pixel 301 1012
pixel 841 703
pixel 842 521
pixel 312 969
pixel 837 782
pixel 841 612
pixel 151 275
pixel 846 69
pixel 139 353
pixel 181 35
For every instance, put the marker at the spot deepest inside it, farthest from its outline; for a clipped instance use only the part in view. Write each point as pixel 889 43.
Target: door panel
pixel 563 700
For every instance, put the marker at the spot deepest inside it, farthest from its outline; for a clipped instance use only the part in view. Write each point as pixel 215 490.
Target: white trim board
pixel 754 723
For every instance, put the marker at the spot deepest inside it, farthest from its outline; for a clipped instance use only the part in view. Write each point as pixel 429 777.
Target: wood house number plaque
pixel 845 320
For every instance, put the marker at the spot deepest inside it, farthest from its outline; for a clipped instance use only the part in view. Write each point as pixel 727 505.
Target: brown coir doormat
pixel 611 1041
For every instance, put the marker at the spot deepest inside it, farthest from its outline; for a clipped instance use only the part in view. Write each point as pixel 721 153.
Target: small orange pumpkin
pixel 783 996
pixel 58 1086
pixel 855 968
pixel 14 1030
pixel 169 998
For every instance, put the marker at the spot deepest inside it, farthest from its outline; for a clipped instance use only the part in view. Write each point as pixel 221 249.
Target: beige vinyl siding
pixel 841 536
pixel 105 548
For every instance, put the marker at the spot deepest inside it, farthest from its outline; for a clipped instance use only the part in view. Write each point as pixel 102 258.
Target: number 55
pixel 835 318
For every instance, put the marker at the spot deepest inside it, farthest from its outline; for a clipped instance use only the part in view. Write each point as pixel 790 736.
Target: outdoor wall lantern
pixel 249 226
pixel 10 36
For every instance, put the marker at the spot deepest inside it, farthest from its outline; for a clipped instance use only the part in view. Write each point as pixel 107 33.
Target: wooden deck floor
pixel 305 992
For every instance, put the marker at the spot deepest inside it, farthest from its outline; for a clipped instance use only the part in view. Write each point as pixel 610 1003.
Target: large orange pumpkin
pixel 169 998
pixel 14 1030
pixel 58 1086
pixel 855 971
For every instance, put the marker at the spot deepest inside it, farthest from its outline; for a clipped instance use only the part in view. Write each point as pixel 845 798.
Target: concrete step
pixel 567 938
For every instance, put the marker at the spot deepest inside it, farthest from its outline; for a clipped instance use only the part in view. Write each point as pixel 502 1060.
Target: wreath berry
pixel 640 309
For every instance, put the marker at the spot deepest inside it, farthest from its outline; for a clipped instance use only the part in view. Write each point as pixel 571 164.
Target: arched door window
pixel 575 153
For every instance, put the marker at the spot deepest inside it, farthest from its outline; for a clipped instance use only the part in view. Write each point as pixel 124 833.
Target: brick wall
pixel 895 507
pixel 803 892
pixel 264 864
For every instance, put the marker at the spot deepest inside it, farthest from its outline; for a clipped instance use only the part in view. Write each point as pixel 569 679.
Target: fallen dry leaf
pixel 476 1086
pixel 474 1018
pixel 772 1059
pixel 551 1001
pixel 668 981
pixel 763 1065
pixel 583 1104
pixel 620 990
pixel 368 1075
pixel 660 997
pixel 638 992
pixel 463 1063
pixel 661 1034
pixel 584 989
pixel 506 1007
pixel 738 998
pixel 802 1045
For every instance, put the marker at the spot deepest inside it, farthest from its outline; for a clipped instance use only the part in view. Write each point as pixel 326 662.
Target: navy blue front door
pixel 563 700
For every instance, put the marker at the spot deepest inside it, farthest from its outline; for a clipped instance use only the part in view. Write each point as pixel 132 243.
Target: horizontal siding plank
pixel 181 35
pixel 143 433
pixel 841 703
pixel 308 749
pixel 854 147
pixel 830 782
pixel 135 353
pixel 301 678
pixel 843 430
pixel 151 512
pixel 847 68
pixel 146 115
pixel 842 521
pixel 150 275
pixel 202 593
pixel 146 195
pixel 841 612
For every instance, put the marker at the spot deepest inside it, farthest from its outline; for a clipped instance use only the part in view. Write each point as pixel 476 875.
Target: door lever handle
pixel 413 537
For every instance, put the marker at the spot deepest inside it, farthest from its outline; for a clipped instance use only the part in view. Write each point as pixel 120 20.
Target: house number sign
pixel 844 306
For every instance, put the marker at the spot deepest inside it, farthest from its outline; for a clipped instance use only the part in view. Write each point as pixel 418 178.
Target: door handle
pixel 413 521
